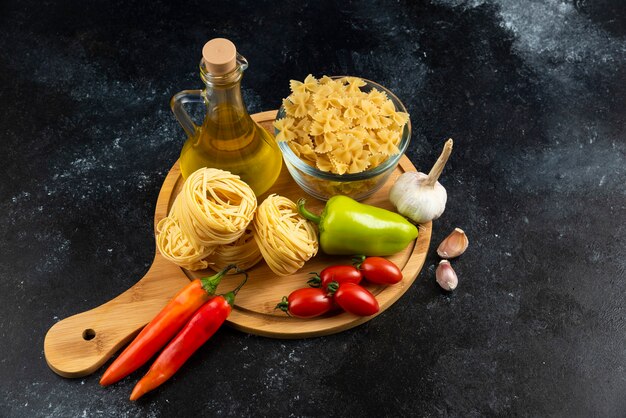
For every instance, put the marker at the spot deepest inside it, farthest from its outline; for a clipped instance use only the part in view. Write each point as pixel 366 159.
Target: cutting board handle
pixel 79 345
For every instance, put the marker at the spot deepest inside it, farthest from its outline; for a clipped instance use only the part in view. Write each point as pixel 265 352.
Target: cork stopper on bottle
pixel 220 56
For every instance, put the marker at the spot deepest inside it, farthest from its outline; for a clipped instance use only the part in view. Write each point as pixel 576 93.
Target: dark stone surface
pixel 534 94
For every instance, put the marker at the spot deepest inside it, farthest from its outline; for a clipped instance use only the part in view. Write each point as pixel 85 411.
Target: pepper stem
pixel 437 169
pixel 210 283
pixel 305 212
pixel 230 296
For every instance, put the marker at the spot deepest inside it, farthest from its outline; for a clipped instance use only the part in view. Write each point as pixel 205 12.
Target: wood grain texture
pixel 71 352
pixel 79 345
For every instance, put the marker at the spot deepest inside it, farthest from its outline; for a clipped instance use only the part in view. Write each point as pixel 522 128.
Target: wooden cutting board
pixel 79 345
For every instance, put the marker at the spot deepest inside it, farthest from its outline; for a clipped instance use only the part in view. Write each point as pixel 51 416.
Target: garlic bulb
pixel 454 245
pixel 446 277
pixel 418 196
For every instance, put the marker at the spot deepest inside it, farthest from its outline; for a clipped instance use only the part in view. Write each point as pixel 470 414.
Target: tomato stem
pixel 357 260
pixel 283 305
pixel 315 281
pixel 332 288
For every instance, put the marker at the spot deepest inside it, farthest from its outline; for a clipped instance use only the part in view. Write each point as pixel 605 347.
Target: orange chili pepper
pixel 164 326
pixel 202 325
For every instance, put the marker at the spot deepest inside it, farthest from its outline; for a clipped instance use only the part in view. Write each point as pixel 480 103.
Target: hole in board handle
pixel 89 334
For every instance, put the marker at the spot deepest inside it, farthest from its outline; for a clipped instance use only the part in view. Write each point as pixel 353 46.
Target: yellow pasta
pixel 323 162
pixel 383 122
pixel 299 104
pixel 310 84
pixel 339 167
pixel 324 143
pixel 174 246
pixel 377 97
pixel 329 114
pixel 301 128
pixel 244 252
pixel 350 149
pixel 359 162
pixel 387 108
pixel 354 84
pixel 213 209
pixel 376 159
pixel 400 118
pixel 286 129
pixel 305 151
pixel 285 238
pixel 352 110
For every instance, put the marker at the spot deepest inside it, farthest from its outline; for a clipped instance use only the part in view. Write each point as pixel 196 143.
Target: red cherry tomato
pixel 379 270
pixel 306 303
pixel 356 300
pixel 340 274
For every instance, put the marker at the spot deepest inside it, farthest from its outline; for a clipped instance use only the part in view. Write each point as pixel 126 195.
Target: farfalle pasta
pixel 335 126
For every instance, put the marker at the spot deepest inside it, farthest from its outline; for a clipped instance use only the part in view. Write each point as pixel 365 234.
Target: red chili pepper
pixel 163 326
pixel 202 325
pixel 378 270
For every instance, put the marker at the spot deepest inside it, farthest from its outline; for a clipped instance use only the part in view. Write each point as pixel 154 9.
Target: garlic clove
pixel 454 245
pixel 446 277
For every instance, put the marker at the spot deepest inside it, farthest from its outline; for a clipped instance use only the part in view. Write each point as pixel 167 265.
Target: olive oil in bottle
pixel 228 138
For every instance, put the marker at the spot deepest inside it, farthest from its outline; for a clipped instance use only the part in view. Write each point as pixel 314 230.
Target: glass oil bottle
pixel 228 138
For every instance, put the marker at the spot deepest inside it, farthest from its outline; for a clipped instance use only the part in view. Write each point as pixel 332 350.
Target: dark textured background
pixel 534 94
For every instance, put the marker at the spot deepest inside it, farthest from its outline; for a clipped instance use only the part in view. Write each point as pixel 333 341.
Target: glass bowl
pixel 323 185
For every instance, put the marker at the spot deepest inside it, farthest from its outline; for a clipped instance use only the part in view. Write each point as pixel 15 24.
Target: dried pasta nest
pixel 208 221
pixel 177 248
pixel 285 238
pixel 214 207
pixel 335 126
pixel 244 252
pixel 211 225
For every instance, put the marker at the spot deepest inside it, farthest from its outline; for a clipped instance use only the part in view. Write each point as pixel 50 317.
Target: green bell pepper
pixel 348 227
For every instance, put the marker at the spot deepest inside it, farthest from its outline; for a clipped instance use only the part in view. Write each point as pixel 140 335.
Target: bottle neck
pixel 220 97
pixel 223 96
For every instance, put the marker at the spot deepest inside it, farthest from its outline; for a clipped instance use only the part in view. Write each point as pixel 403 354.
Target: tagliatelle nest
pixel 176 247
pixel 209 224
pixel 244 252
pixel 333 125
pixel 285 238
pixel 214 207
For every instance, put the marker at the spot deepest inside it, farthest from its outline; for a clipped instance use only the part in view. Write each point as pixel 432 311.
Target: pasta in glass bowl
pixel 341 135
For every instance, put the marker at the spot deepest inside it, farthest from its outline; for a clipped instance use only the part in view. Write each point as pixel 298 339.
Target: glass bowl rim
pixel 294 160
